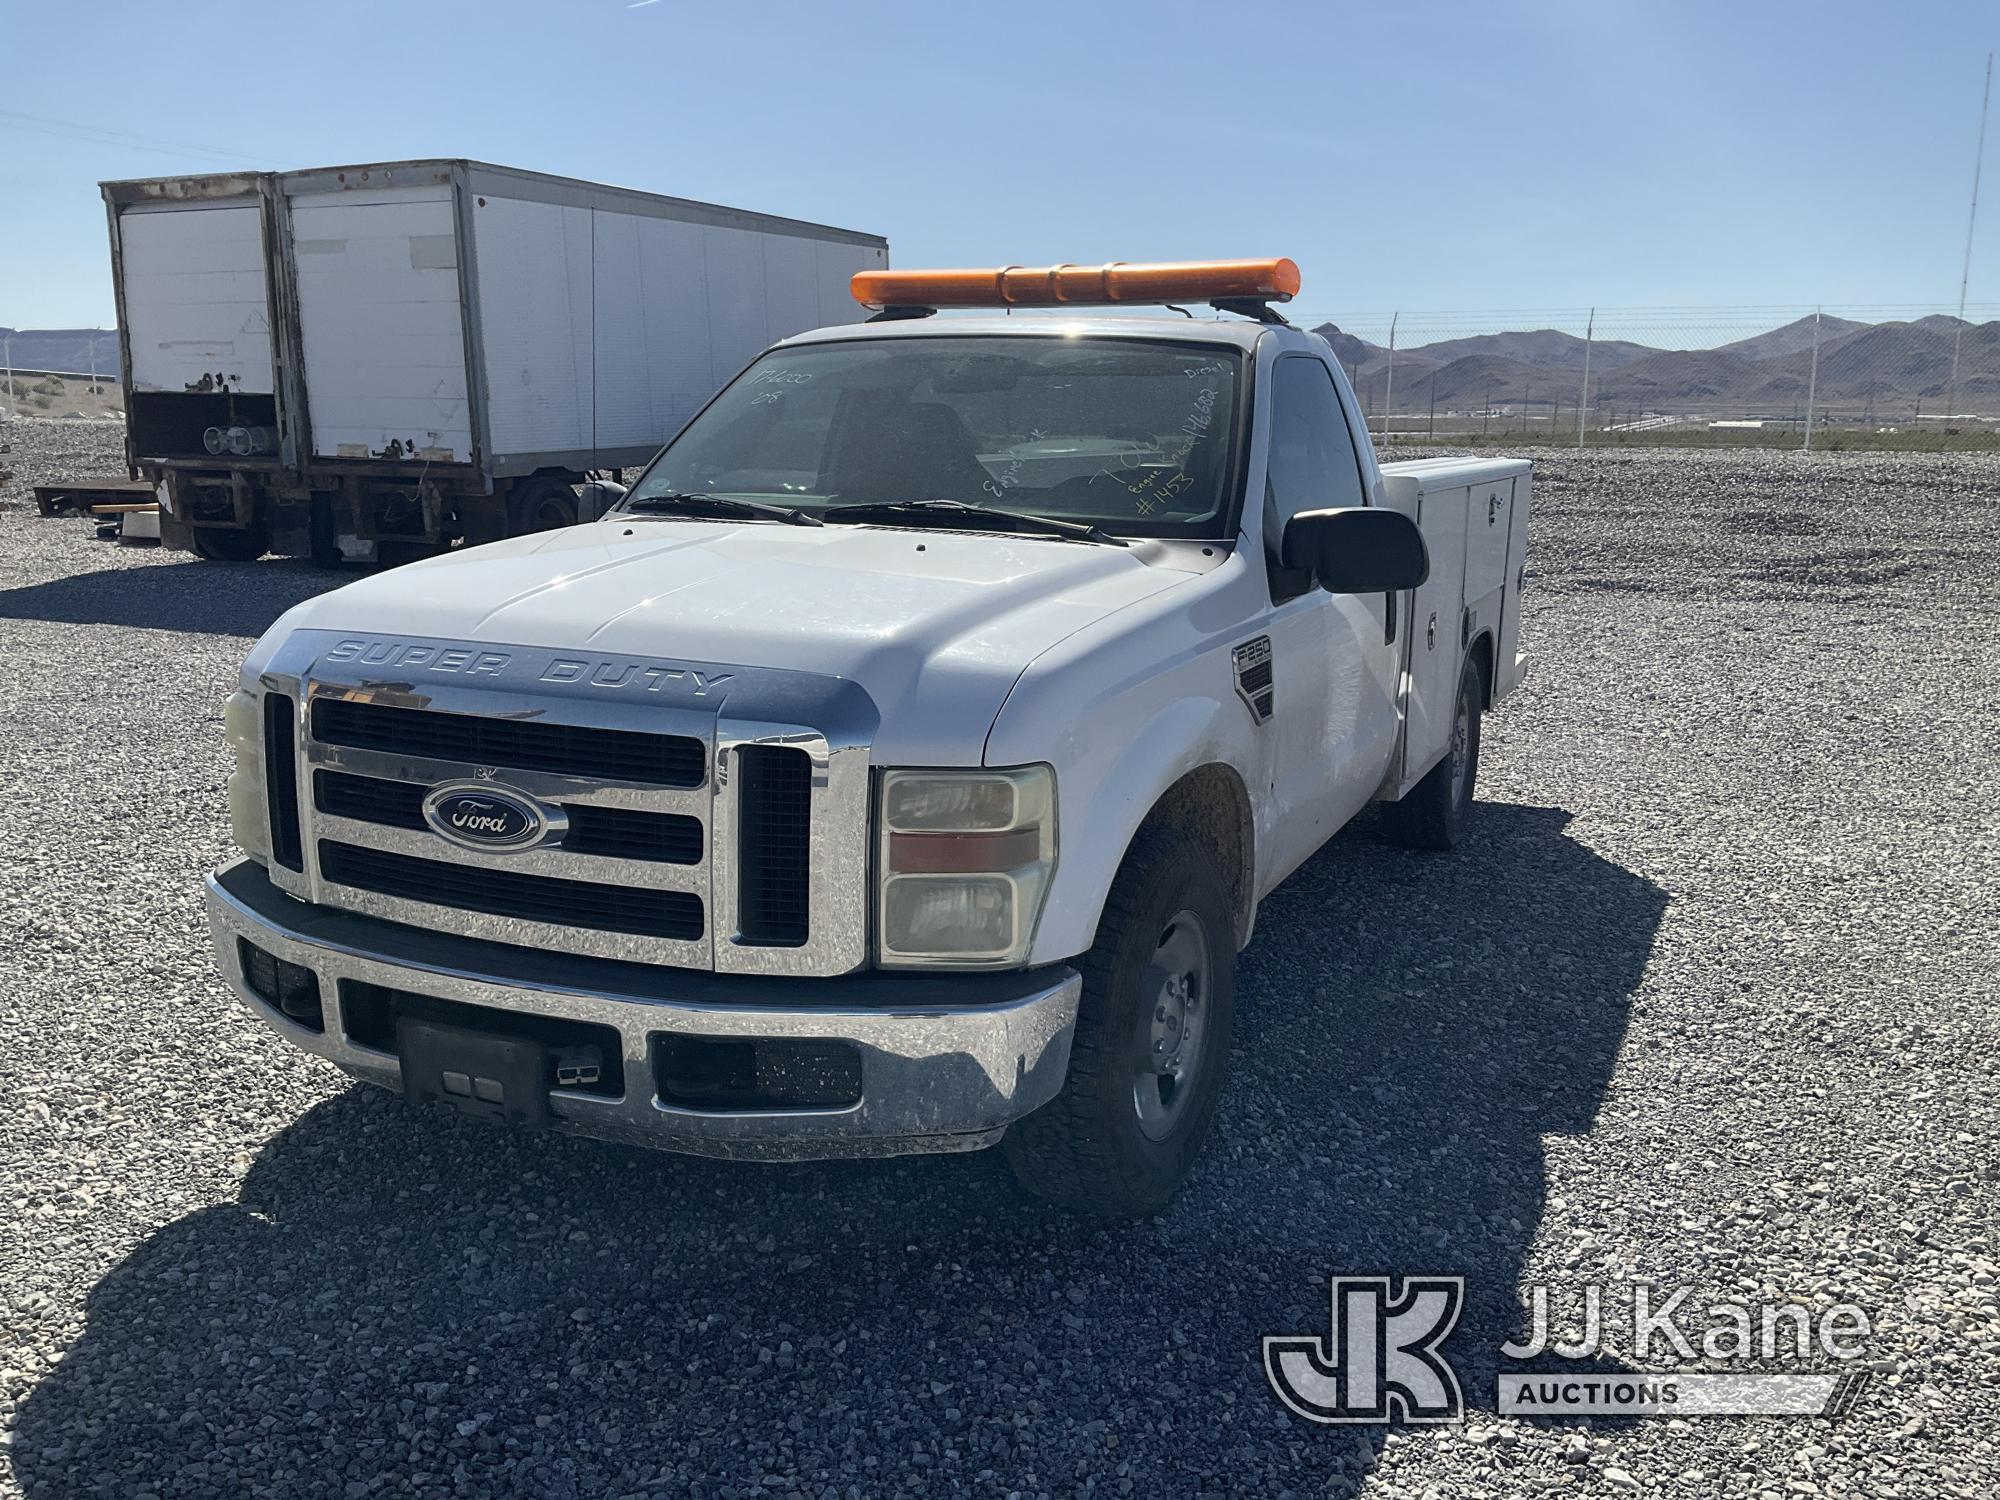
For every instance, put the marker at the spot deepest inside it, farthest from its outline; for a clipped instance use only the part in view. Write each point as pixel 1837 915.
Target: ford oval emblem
pixel 490 818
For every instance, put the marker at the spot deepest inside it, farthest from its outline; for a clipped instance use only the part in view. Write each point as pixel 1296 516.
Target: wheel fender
pixel 1106 793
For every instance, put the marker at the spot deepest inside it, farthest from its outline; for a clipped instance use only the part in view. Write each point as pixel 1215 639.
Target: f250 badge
pixel 491 818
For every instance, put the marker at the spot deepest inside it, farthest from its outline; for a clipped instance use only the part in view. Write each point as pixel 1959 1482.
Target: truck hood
pixel 936 626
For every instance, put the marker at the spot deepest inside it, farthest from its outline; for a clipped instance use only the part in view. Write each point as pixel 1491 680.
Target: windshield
pixel 1132 435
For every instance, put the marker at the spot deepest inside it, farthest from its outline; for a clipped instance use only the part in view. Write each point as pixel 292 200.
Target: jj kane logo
pixel 1380 1361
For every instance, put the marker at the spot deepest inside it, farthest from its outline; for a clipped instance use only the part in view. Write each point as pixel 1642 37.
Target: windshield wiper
pixel 950 510
pixel 721 505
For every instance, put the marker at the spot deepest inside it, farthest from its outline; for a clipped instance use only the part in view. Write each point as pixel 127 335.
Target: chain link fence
pixel 1893 376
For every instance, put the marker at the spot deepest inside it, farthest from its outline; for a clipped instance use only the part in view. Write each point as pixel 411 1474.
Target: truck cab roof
pixel 1237 332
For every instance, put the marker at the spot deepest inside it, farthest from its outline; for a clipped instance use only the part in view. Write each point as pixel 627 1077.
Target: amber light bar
pixel 1082 286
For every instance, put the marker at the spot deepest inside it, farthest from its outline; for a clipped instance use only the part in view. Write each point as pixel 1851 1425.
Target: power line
pixel 99 136
pixel 1730 310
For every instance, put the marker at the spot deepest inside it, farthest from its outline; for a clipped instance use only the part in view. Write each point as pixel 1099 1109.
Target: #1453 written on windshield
pixel 1161 483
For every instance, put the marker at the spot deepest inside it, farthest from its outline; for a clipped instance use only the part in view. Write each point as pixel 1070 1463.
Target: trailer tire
pixel 397 552
pixel 322 533
pixel 1123 1134
pixel 480 519
pixel 233 544
pixel 541 503
pixel 1437 810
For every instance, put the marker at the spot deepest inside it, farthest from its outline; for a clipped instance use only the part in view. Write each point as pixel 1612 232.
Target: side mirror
pixel 597 497
pixel 1361 549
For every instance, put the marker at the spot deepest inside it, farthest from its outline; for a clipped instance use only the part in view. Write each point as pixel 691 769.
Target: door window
pixel 1312 464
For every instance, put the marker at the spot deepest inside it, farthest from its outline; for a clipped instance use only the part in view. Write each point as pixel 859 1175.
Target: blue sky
pixel 1547 154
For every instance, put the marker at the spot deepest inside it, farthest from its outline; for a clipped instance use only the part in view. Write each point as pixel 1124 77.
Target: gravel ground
pixel 1709 1001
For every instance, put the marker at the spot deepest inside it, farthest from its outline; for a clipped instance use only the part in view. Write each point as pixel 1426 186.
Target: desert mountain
pixel 1886 365
pixel 1792 338
pixel 1891 366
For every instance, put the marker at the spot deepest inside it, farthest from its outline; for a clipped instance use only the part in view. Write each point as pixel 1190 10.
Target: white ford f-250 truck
pixel 899 765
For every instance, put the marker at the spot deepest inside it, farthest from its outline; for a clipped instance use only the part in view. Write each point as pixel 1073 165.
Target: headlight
pixel 247 806
pixel 964 860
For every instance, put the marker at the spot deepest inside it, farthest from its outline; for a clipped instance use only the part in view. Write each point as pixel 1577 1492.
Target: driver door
pixel 1333 663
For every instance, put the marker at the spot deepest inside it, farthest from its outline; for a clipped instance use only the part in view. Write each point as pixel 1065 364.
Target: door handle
pixel 1493 508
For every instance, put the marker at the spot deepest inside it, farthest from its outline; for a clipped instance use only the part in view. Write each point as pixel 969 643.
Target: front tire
pixel 1151 1046
pixel 1438 809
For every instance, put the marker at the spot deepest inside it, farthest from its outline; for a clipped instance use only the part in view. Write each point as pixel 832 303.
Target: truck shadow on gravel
pixel 202 598
pixel 420 1305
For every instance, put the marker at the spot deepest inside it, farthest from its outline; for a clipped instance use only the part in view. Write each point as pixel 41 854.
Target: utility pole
pixel 1812 382
pixel 1389 391
pixel 1583 398
pixel 1434 404
pixel 1971 218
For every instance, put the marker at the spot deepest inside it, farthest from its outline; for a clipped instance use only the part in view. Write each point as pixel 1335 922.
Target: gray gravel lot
pixel 1709 1001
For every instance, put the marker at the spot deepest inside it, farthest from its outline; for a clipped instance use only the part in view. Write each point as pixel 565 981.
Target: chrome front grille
pixel 775 836
pixel 681 835
pixel 522 745
pixel 281 779
pixel 670 838
pixel 601 906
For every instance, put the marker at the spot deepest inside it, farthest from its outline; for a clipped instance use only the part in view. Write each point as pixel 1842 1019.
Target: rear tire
pixel 232 544
pixel 1151 1046
pixel 543 503
pixel 1438 809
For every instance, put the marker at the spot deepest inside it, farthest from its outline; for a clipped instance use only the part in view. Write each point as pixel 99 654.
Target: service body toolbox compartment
pixel 1474 516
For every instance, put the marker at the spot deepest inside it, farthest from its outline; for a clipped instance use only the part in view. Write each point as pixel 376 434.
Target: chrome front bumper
pixel 947 1061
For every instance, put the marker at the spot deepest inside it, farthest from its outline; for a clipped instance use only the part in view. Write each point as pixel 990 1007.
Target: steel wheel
pixel 1461 752
pixel 552 511
pixel 1173 1027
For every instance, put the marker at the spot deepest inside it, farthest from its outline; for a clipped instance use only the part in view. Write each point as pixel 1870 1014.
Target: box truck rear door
pixel 380 323
pixel 197 299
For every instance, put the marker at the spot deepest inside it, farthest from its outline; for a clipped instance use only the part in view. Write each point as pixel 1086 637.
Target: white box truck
pixel 380 360
pixel 940 705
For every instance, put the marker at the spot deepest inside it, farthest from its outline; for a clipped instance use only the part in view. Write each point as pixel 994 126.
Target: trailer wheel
pixel 1435 813
pixel 233 544
pixel 543 503
pixel 1151 1046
